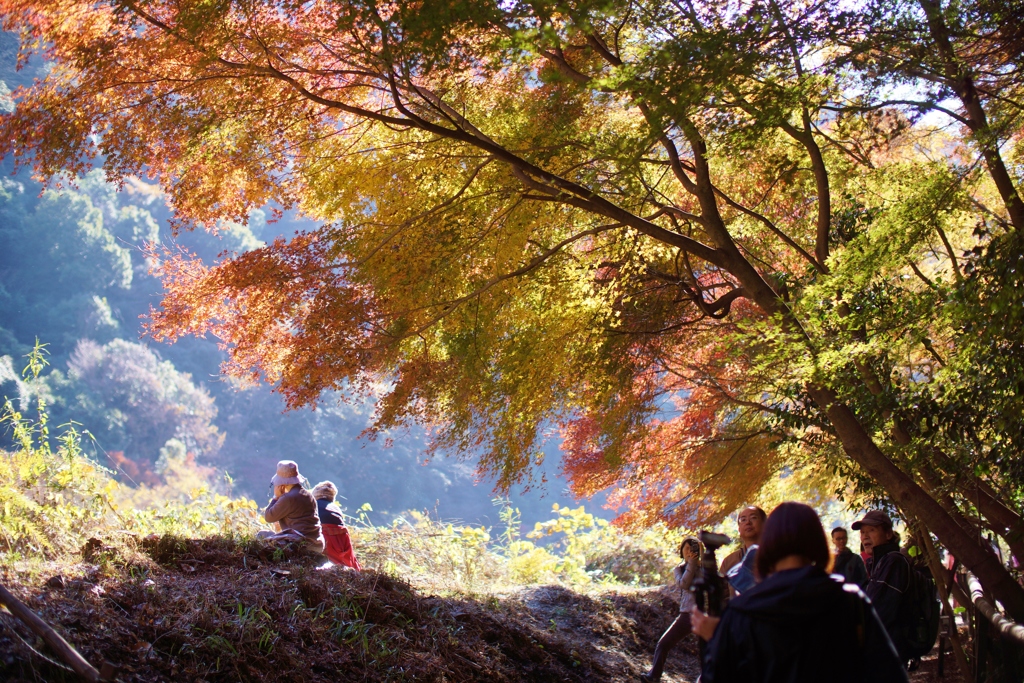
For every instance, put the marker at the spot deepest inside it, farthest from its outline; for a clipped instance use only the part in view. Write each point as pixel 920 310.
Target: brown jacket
pixel 296 510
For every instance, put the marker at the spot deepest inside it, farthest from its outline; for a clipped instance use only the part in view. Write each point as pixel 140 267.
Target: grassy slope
pixel 211 610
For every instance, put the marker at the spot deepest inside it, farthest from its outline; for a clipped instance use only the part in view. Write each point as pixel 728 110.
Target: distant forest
pixel 74 275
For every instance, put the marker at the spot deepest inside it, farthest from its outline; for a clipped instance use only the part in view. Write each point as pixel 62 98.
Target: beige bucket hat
pixel 287 473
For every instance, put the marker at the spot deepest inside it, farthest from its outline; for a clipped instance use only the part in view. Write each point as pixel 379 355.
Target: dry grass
pixel 170 609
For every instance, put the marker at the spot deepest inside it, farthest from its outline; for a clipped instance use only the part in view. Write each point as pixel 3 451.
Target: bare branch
pixel 820 267
pixel 949 252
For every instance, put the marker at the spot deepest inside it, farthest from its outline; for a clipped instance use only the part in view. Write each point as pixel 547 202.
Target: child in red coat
pixel 339 545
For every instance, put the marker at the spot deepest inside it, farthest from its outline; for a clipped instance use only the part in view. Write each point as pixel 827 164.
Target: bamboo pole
pixel 1005 626
pixel 60 646
pixel 932 556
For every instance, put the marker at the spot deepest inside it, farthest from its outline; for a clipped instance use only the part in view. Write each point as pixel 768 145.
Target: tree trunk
pixel 980 560
pixel 930 482
pixel 999 517
pixel 856 441
pixel 1002 519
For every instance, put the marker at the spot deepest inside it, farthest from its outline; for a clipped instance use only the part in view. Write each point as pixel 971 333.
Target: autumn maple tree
pixel 710 241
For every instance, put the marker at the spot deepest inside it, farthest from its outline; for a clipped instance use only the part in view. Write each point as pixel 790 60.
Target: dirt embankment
pixel 210 610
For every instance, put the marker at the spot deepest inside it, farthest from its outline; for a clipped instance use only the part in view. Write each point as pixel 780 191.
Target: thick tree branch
pixel 920 105
pixel 962 82
pixel 949 252
pixel 572 193
pixel 820 172
pixel 806 138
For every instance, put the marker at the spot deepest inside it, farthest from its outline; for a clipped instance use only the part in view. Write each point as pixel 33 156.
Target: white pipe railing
pixel 1006 626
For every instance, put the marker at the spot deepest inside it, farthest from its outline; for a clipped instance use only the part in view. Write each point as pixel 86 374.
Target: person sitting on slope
pixel 293 508
pixel 339 544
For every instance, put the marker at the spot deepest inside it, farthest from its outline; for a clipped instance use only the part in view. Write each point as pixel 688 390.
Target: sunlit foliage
pixel 53 497
pixel 711 242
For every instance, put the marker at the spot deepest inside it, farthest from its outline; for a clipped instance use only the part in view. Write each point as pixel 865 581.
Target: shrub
pixel 595 550
pixel 48 497
pixel 583 549
pixel 53 496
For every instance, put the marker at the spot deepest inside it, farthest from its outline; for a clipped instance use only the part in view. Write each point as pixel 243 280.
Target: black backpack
pixel 921 603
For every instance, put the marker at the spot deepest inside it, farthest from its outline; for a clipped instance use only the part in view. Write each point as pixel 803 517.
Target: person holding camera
pixel 685 573
pixel 794 625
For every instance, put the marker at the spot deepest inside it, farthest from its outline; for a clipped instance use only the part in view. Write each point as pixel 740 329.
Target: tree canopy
pixel 134 402
pixel 709 241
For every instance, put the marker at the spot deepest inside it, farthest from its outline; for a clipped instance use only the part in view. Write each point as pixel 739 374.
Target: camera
pixel 709 589
pixel 712 541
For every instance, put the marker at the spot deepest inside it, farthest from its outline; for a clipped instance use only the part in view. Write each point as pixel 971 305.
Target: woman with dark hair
pixel 685 572
pixel 799 625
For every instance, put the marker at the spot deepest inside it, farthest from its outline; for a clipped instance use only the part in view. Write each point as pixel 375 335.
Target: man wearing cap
pixel 294 508
pixel 889 580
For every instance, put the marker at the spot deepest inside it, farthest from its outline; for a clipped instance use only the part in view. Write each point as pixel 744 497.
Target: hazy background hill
pixel 73 275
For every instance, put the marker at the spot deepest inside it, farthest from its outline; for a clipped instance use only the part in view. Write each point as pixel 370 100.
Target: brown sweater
pixel 296 510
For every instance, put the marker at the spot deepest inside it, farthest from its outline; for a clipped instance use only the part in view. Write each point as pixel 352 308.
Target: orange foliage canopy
pixel 289 317
pixel 627 219
pixel 501 246
pixel 704 454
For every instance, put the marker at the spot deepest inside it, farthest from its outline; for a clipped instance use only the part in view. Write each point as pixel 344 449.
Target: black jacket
pixel 849 564
pixel 329 512
pixel 887 588
pixel 801 626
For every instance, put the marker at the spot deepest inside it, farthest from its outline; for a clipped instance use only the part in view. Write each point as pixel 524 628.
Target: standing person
pixel 339 548
pixel 685 572
pixel 743 576
pixel 799 622
pixel 848 563
pixel 749 523
pixel 889 578
pixel 293 508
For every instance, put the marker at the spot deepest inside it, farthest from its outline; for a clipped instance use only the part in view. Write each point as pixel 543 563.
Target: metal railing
pixel 998 641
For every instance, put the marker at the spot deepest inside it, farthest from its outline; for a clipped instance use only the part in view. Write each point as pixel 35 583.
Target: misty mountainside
pixel 74 275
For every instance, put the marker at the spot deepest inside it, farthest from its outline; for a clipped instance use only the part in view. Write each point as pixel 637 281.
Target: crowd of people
pixel 794 608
